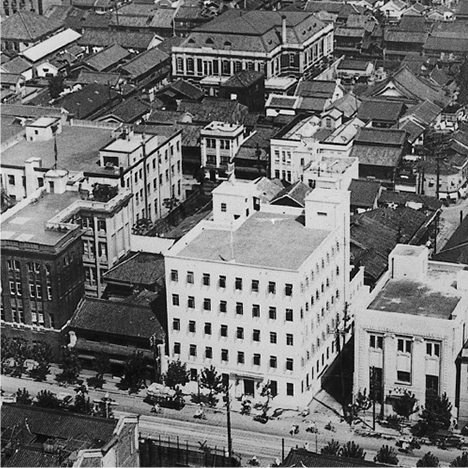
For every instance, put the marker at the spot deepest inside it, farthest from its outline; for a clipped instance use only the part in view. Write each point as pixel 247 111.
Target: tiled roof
pixel 446 44
pixel 170 42
pixel 141 268
pixel 316 88
pixel 210 109
pixel 364 192
pixel 377 155
pixel 129 110
pixel 380 136
pixel 243 79
pixel 95 20
pixel 256 31
pixel 116 318
pixel 425 112
pixel 350 64
pixel 103 78
pixel 28 456
pixel 107 58
pixel 104 38
pixel 389 197
pixel 380 110
pixel 294 195
pixel 184 88
pixel 163 18
pixel 303 458
pixel 24 110
pixel 16 65
pixel 456 248
pixel 10 78
pixel 414 130
pixel 348 104
pixel 344 31
pixel 144 62
pixel 60 424
pixel 27 26
pixel 318 5
pixel 283 102
pixel 410 37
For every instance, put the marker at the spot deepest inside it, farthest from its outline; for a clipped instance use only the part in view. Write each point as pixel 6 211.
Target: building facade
pixel 256 307
pixel 409 337
pixel 271 42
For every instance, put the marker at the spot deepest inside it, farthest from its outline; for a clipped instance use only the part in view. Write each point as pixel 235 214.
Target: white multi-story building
pixel 259 291
pixel 411 334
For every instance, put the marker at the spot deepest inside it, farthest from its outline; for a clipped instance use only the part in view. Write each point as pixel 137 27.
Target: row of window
pixel 207 67
pixel 35 290
pixel 404 345
pixel 33 267
pixel 238 282
pixel 223 306
pixel 256 358
pixel 223 144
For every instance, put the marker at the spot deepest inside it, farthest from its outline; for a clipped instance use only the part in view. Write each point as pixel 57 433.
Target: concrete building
pixel 259 291
pixel 411 333
pixel 274 43
pixel 330 172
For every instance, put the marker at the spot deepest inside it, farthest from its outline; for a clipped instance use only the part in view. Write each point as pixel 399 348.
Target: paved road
pixel 449 221
pixel 249 437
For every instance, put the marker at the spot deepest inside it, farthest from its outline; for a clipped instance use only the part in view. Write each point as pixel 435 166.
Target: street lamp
pixel 154 347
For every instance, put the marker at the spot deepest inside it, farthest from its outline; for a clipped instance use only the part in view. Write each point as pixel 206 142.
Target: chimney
pixel 283 28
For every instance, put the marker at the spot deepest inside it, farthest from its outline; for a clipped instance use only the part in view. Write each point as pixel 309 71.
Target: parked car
pixel 164 397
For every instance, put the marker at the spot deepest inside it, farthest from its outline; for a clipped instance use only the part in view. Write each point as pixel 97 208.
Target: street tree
pixel 70 366
pixel 56 86
pixel 6 354
pixel 134 376
pixel 362 402
pixel 406 405
pixel 332 448
pixel 41 353
pixel 47 399
pixel 436 415
pixel 23 397
pixel 352 450
pixel 428 460
pixel 176 375
pixel 20 351
pixel 104 407
pixel 211 380
pixel 386 455
pixel 101 366
pixel 461 460
pixel 266 392
pixel 82 402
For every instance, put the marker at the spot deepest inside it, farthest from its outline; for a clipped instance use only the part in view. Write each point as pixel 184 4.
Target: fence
pixel 173 452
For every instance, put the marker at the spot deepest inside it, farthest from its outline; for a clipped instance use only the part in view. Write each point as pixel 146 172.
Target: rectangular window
pixel 255 310
pixel 191 302
pixel 240 357
pixel 206 304
pixel 11 179
pixel 175 299
pixel 174 275
pixel 193 350
pixel 176 324
pixel 289 315
pixel 289 339
pixel 239 308
pixel 290 389
pixel 273 362
pixel 224 355
pixel 238 284
pixel 432 349
pixel 207 328
pixel 190 277
pixel 272 313
pixel 206 279
pixel 256 359
pixel 403 376
pixel 404 345
pixel 223 207
pixel 288 289
pixel 256 335
pixel 255 285
pixel 289 364
pixel 222 306
pixel 240 333
pixel 376 341
pixel 176 348
pixel 222 281
pixel 192 326
pixel 272 287
pixel 273 338
pixel 224 330
pixel 208 352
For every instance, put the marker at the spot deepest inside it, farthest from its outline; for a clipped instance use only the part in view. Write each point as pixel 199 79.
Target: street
pixel 449 221
pixel 249 437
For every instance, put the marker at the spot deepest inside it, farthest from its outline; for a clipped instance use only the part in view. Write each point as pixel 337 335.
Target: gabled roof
pixel 425 112
pixel 414 129
pixel 405 37
pixel 364 193
pixel 315 6
pixel 220 110
pixel 380 110
pixel 144 62
pixel 446 44
pixel 380 136
pixel 10 78
pixel 383 156
pixel 116 318
pixel 184 88
pixel 456 248
pixel 352 64
pixel 51 45
pixel 129 110
pixel 107 58
pixel 16 65
pixel 348 104
pixel 104 38
pixel 88 77
pixel 27 26
pixel 316 88
pixel 294 195
pixel 389 197
pixel 243 79
pixel 163 18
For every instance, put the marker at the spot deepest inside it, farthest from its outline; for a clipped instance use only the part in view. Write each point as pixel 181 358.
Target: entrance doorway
pixel 249 387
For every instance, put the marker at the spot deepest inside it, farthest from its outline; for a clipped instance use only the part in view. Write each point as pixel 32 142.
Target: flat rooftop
pixel 28 225
pixel 78 149
pixel 269 240
pixel 436 297
pixel 331 165
pixel 122 145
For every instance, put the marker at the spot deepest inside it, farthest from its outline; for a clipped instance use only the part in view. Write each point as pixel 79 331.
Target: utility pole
pixel 228 418
pixel 373 396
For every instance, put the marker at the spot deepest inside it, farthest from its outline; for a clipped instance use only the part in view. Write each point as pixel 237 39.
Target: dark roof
pixel 107 58
pixel 28 456
pixel 380 110
pixel 294 195
pixel 104 38
pixel 145 62
pixel 25 110
pixel 129 110
pixel 16 65
pixel 348 104
pixel 170 42
pixel 10 78
pixel 116 318
pixel 60 424
pixel 446 44
pixel 386 156
pixel 350 64
pixel 318 5
pixel 316 88
pixel 364 193
pixel 425 112
pixel 389 197
pixel 184 88
pixel 380 136
pixel 414 129
pixel 304 458
pixel 140 268
pixel 88 100
pixel 410 37
pixel 211 109
pixel 103 78
pixel 456 248
pixel 243 79
pixel 27 26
